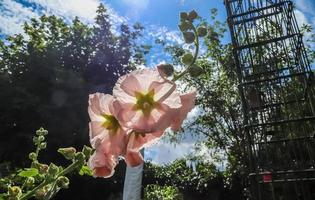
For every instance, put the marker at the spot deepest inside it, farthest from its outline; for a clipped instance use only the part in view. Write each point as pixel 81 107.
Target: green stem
pixel 194 59
pixel 70 168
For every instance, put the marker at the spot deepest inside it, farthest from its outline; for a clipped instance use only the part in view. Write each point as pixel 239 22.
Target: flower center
pixel 110 123
pixel 145 102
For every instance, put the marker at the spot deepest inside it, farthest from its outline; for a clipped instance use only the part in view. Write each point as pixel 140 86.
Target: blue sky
pixel 160 17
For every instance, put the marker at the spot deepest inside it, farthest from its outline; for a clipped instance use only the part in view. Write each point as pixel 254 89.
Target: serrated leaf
pixel 30 172
pixel 85 170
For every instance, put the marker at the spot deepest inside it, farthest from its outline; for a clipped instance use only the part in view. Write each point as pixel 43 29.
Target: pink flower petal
pixel 188 103
pixel 126 111
pixel 97 133
pixel 114 143
pixel 138 141
pixel 173 100
pixel 98 103
pixel 133 158
pixel 102 164
pixel 135 143
pixel 129 84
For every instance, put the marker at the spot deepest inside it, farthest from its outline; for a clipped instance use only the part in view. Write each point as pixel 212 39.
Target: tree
pixel 186 178
pixel 46 75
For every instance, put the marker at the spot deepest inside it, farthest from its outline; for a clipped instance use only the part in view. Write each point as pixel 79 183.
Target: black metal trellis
pixel 276 85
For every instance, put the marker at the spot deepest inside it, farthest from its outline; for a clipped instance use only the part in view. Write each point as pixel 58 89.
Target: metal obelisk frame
pixel 276 84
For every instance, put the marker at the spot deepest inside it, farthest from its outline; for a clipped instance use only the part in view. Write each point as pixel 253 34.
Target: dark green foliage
pixel 156 192
pixel 46 75
pixel 204 181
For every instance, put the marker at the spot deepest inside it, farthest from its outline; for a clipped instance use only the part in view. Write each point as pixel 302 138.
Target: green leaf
pixel 30 172
pixel 3 196
pixel 85 170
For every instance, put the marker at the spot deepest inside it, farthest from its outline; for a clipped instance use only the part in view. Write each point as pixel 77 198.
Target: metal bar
pixel 261 9
pixel 261 43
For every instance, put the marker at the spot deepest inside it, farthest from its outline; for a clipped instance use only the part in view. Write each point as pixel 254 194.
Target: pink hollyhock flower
pixel 106 135
pixel 136 142
pixel 145 100
pixel 188 103
pixel 103 164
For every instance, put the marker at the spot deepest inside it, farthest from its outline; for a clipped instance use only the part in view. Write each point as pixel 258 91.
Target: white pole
pixel 133 182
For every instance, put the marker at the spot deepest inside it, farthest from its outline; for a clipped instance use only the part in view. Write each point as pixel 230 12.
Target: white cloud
pixel 14 14
pixel 85 9
pixel 163 152
pixel 136 4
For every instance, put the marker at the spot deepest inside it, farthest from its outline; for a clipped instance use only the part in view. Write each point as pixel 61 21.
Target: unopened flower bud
pixel 14 191
pixel 202 31
pixel 184 26
pixel 29 181
pixel 68 153
pixel 87 151
pixel 166 69
pixel 63 182
pixel 43 145
pixel 40 194
pixel 192 15
pixel 183 15
pixel 189 37
pixel 187 58
pixel 35 140
pixel 41 138
pixel 80 157
pixel 41 131
pixel 32 156
pixel 195 71
pixel 53 169
pixel 43 168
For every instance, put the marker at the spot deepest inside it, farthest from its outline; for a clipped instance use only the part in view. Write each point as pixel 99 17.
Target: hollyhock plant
pixel 146 100
pixel 106 134
pixel 144 104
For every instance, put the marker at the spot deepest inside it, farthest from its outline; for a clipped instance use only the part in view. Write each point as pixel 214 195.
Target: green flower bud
pixel 41 138
pixel 43 145
pixel 32 156
pixel 40 194
pixel 43 168
pixel 189 37
pixel 184 26
pixel 41 131
pixel 29 181
pixel 35 140
pixel 192 15
pixel 187 58
pixel 63 182
pixel 202 31
pixel 183 15
pixel 68 153
pixel 53 169
pixel 14 191
pixel 166 69
pixel 80 157
pixel 195 71
pixel 87 151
